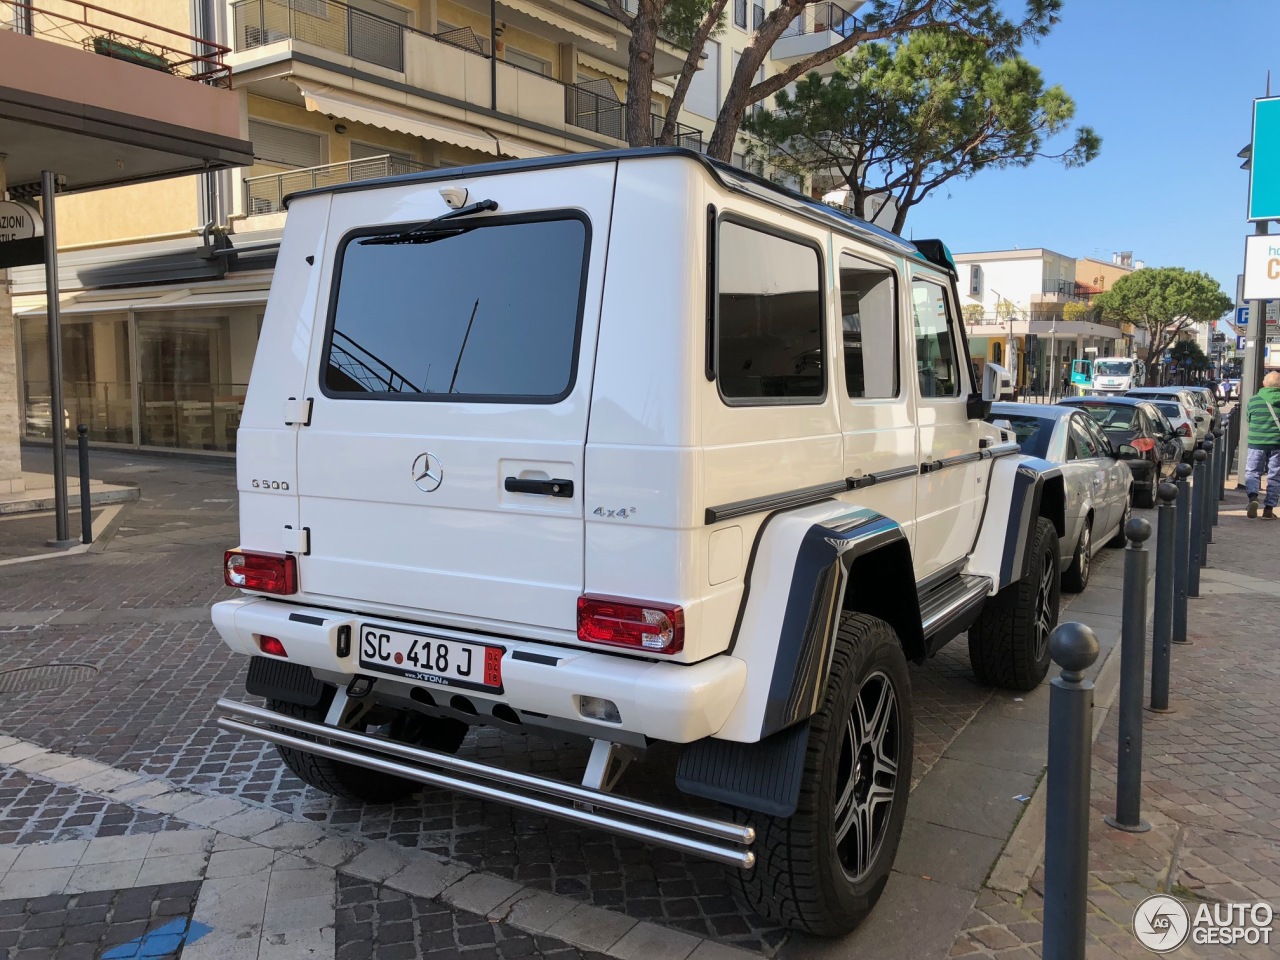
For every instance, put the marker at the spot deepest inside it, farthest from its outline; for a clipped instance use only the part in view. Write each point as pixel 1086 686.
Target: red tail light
pixel 1184 430
pixel 1144 444
pixel 272 646
pixel 265 572
pixel 656 627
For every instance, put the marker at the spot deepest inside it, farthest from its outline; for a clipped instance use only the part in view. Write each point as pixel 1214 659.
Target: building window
pixel 287 146
pixel 703 97
pixel 769 317
pixel 975 280
pixel 935 347
pixel 869 323
pixel 740 13
pixel 527 61
pixel 757 16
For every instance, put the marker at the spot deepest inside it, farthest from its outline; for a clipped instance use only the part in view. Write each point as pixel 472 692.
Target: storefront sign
pixel 19 222
pixel 1261 267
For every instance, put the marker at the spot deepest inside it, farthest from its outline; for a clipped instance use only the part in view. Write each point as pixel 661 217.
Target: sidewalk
pixel 1211 773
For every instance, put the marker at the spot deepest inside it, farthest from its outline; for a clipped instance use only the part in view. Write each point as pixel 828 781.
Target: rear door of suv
pixel 440 476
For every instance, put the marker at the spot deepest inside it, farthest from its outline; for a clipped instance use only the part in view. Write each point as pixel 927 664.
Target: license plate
pixel 418 656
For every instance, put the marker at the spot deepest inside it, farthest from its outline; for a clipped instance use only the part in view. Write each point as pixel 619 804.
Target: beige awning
pixel 141 299
pixel 353 106
pixel 563 21
pixel 522 149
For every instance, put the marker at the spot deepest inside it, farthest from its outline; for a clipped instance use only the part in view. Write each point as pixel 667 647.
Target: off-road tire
pixel 1076 577
pixel 799 880
pixel 347 780
pixel 1009 642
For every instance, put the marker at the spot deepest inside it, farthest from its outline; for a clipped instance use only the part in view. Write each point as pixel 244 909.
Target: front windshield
pixel 1113 368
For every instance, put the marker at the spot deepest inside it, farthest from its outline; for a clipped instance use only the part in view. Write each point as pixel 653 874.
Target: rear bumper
pixel 665 701
pixel 713 839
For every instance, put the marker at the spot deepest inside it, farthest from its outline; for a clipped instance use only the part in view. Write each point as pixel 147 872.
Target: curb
pixel 100 499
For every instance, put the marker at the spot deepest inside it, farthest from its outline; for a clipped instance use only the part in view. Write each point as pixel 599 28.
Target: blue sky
pixel 1169 86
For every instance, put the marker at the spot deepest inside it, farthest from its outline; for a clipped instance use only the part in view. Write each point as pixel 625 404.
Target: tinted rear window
pixel 1033 433
pixel 1118 417
pixel 1171 409
pixel 489 310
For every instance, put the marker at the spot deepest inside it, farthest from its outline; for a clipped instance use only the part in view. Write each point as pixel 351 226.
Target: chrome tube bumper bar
pixel 614 814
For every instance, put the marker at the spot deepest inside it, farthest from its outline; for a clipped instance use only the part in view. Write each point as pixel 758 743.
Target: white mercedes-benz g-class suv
pixel 631 447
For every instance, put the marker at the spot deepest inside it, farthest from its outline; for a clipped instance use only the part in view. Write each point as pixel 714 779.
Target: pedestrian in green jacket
pixel 1263 419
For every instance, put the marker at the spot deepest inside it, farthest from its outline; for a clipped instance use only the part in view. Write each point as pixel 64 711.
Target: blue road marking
pixel 159 942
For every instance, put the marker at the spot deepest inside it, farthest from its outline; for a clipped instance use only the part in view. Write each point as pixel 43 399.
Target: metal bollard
pixel 1181 554
pixel 1223 457
pixel 86 507
pixel 1162 634
pixel 1074 647
pixel 1206 522
pixel 1198 487
pixel 1133 658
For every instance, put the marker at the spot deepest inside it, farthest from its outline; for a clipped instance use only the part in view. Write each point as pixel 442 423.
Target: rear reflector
pixel 656 627
pixel 265 572
pixel 272 646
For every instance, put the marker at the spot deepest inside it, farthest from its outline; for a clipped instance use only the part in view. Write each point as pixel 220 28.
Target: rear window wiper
pixel 428 230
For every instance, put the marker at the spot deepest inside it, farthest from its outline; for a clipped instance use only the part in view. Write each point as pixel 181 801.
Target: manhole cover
pixel 46 676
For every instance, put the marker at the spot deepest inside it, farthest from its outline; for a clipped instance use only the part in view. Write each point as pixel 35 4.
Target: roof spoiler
pixel 936 252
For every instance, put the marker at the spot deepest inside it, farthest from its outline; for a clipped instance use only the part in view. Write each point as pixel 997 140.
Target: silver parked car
pixel 1098 482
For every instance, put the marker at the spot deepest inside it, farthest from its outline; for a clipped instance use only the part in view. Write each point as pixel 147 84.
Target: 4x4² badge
pixel 427 472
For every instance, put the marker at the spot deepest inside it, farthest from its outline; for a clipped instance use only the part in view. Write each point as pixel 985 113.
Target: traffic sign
pixel 1264 164
pixel 1242 316
pixel 1240 342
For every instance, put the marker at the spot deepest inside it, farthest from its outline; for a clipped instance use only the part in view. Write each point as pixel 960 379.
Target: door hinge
pixel 297 541
pixel 297 412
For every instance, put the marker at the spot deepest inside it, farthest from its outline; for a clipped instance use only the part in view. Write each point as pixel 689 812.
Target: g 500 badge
pixel 270 484
pixel 621 513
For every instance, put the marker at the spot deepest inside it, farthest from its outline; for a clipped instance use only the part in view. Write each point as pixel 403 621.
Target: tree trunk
pixel 738 98
pixel 690 68
pixel 640 53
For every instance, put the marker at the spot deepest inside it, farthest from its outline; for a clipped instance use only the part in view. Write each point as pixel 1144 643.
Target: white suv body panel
pixel 646 438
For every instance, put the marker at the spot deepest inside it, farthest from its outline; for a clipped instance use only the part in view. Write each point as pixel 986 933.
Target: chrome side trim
pixel 951 599
pixel 582 804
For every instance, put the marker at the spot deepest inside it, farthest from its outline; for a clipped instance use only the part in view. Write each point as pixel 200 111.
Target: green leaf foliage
pixel 1164 300
pixel 900 121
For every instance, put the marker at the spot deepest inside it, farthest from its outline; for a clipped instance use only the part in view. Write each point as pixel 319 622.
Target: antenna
pixel 462 349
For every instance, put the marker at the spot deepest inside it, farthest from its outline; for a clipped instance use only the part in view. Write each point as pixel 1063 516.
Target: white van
pixel 1118 374
pixel 627 447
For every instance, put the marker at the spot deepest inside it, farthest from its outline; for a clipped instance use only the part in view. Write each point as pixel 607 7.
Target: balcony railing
pixel 593 106
pixel 821 17
pixel 323 23
pixel 365 36
pixel 121 37
pixel 1070 288
pixel 264 195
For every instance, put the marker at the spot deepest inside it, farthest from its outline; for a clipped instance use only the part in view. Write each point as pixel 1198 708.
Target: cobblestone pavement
pixel 137 610
pixel 111 924
pixel 1211 783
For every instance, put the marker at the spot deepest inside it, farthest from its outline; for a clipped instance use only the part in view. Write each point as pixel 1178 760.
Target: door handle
pixel 542 488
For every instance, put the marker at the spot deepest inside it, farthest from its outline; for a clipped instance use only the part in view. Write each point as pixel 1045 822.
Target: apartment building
pixel 165 284
pixel 101 99
pixel 1015 304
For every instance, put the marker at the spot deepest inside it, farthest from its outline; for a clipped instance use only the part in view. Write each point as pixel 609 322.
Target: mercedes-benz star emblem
pixel 427 473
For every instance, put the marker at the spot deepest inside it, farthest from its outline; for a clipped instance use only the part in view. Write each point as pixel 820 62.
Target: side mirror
pixel 992 375
pixel 1126 452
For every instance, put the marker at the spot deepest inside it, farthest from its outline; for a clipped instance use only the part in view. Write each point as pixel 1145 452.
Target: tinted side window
pixel 1080 443
pixel 868 312
pixel 769 317
pixel 490 310
pixel 935 349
